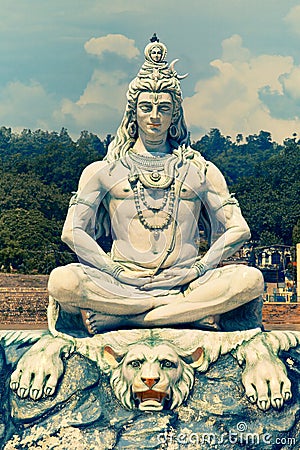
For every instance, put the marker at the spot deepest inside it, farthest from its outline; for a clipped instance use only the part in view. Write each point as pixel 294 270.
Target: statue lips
pixel 154 125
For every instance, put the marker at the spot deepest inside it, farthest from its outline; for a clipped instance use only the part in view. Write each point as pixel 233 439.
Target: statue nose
pixel 150 382
pixel 154 113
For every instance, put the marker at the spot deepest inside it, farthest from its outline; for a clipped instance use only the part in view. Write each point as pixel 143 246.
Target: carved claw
pixel 35 394
pixel 264 405
pixel 49 391
pixel 277 403
pixel 287 395
pixel 23 392
pixel 252 399
pixel 14 385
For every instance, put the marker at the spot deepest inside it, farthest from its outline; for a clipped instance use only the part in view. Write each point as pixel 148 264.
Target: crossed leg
pixel 218 291
pixel 107 305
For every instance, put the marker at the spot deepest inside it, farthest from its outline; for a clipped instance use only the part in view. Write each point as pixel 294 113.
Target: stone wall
pixel 283 314
pixel 23 305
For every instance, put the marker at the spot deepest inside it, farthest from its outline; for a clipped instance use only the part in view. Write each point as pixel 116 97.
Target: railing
pixel 286 297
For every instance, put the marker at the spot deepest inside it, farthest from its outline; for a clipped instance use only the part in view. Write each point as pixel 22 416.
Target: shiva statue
pixel 154 195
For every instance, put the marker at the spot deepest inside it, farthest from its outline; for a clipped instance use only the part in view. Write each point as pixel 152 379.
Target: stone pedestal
pixel 84 412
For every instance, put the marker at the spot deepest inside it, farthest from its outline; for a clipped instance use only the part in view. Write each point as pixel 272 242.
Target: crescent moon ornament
pixel 171 66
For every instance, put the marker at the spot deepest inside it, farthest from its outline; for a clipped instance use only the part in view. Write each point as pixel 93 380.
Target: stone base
pixel 85 414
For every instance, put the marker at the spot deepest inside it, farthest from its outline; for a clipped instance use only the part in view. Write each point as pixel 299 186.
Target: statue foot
pixel 208 323
pixel 96 322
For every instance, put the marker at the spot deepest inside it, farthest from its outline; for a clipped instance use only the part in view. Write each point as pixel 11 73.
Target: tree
pixel 239 138
pixel 29 242
pixel 90 142
pixel 296 233
pixel 27 192
pixel 213 144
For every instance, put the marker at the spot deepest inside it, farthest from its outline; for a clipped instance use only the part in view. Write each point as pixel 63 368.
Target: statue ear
pixel 196 358
pixel 111 357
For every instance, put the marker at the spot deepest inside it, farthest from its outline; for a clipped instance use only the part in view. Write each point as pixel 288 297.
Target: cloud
pixel 26 105
pixel 231 99
pixel 100 108
pixel 113 43
pixel 233 49
pixel 244 93
pixel 291 83
pixel 293 19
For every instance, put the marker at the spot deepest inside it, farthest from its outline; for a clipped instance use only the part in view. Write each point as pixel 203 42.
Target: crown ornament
pixel 155 65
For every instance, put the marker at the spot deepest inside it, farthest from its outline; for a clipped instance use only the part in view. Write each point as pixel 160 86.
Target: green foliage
pixel 39 172
pixel 29 242
pixel 296 233
pixel 26 191
pixel 265 177
pixel 270 198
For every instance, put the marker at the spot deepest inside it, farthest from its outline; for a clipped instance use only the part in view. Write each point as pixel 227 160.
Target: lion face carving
pixel 151 377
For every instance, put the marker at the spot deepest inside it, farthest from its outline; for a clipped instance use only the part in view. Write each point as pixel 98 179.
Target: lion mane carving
pixel 154 369
pixel 151 377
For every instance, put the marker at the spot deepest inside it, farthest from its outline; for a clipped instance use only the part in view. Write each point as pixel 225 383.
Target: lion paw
pixel 38 371
pixel 266 384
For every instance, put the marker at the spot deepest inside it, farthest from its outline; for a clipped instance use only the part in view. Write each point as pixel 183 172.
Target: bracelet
pixel 114 270
pixel 200 267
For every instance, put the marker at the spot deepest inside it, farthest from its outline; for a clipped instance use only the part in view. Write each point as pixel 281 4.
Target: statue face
pixel 156 54
pixel 154 113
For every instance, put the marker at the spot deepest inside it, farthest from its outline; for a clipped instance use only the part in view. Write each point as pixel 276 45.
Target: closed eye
pixel 146 108
pixel 165 108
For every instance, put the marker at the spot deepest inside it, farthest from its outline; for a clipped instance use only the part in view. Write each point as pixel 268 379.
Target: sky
pixel 67 63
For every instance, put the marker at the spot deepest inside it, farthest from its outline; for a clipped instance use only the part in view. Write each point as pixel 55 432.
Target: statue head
pixel 155 76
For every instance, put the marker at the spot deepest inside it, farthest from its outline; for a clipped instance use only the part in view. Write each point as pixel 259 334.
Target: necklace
pixel 169 214
pixel 148 172
pixel 153 172
pixel 147 161
pixel 155 229
pixel 154 143
pixel 154 208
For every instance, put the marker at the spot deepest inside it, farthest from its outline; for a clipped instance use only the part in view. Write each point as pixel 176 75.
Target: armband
pixel 231 200
pixel 75 200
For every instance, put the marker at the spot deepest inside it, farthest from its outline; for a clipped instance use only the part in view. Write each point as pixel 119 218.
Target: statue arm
pixel 79 227
pixel 223 211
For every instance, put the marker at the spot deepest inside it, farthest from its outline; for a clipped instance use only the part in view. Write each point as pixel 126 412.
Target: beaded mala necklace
pixel 155 208
pixel 169 214
pixel 147 172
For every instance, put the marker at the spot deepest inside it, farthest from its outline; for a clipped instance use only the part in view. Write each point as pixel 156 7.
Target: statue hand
pixel 137 278
pixel 171 277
